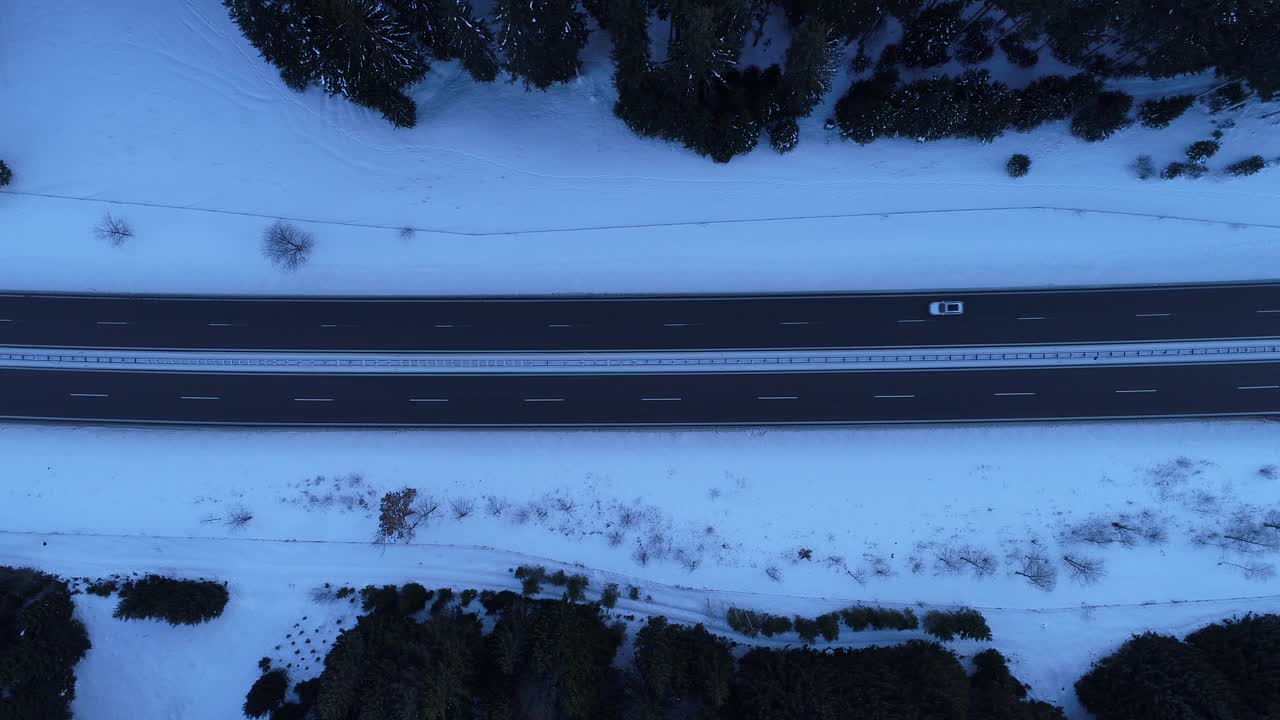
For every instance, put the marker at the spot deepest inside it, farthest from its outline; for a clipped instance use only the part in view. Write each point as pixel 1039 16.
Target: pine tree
pixel 1159 113
pixel 361 49
pixel 1105 116
pixel 810 63
pixel 1156 677
pixel 1247 653
pixel 40 643
pixel 926 39
pixel 541 39
pixel 266 694
pixel 277 29
pixel 450 30
pixel 995 694
pixel 6 175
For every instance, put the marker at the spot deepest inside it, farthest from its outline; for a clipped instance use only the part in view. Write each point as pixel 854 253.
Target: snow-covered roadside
pixel 148 669
pixel 187 115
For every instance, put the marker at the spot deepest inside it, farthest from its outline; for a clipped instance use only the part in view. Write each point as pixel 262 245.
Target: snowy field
pixel 702 520
pixel 163 114
pixel 187 117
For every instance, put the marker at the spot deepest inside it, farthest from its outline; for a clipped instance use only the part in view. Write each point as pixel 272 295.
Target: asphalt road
pixel 1054 317
pixel 643 399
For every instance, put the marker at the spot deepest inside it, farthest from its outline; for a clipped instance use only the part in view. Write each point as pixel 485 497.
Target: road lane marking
pixel 226 324
pixel 338 325
pixel 198 397
pixel 1258 387
pixel 661 399
pixel 113 322
pixel 911 321
pixel 428 399
pixel 443 325
pixel 560 325
pixel 676 324
pixel 1032 317
pixel 1012 394
pixel 796 322
pixel 313 399
pixel 88 395
pixel 1136 391
pixel 5 320
pixel 1153 315
pixel 777 397
pixel 895 396
pixel 544 399
pixel 1267 311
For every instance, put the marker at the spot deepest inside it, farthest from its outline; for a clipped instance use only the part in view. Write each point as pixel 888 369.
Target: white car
pixel 946 307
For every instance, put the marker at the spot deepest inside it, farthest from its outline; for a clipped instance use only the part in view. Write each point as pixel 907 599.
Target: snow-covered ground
pixel 713 511
pixel 163 114
pixel 166 110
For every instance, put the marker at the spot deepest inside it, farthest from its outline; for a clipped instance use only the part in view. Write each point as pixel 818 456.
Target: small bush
pixel 1018 165
pixel 861 617
pixel 383 599
pixel 496 602
pixel 397 518
pixel 784 135
pixel 964 623
pixel 1107 115
pixel 286 245
pixel 177 602
pixel 466 596
pixel 775 625
pixel 413 597
pixel 115 230
pixel 1159 113
pixel 829 626
pixel 1202 150
pixel 6 175
pixel 1144 167
pixel 1248 166
pixel 1174 170
pixel 103 588
pixel 807 629
pixel 752 623
pixel 531 578
pixel 609 596
pixel 267 694
pixel 575 590
pixel 633 592
pixel 444 596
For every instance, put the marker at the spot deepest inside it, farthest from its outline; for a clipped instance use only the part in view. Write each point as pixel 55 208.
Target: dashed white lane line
pixel 338 325
pixel 198 397
pixel 88 395
pixel 5 320
pixel 1136 391
pixel 1265 312
pixel 560 325
pixel 443 325
pixel 1013 394
pixel 1032 317
pixel 227 324
pixel 1258 387
pixel 885 397
pixel 796 322
pixel 678 324
pixel 1153 315
pixel 113 322
pixel 544 399
pixel 434 400
pixel 661 399
pixel 777 397
pixel 912 321
pixel 313 399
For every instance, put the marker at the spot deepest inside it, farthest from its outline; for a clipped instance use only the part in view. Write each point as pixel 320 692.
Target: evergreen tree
pixel 1105 116
pixel 450 29
pixel 1202 150
pixel 6 175
pixel 361 50
pixel 1159 113
pixel 1018 165
pixel 1248 166
pixel 811 61
pixel 40 643
pixel 995 694
pixel 177 602
pixel 926 39
pixel 1052 97
pixel 865 112
pixel 974 46
pixel 541 39
pixel 277 29
pixel 949 624
pixel 267 694
pixel 1156 677
pixel 1247 653
pixel 682 664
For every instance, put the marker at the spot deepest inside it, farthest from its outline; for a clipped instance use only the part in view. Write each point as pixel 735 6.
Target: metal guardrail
pixel 686 361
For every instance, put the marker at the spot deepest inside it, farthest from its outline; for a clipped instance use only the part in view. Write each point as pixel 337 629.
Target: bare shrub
pixel 114 230
pixel 1169 476
pixel 774 573
pixel 1126 530
pixel 286 245
pixel 1084 569
pixel 1036 569
pixel 688 560
pixel 878 565
pixel 628 517
pixel 238 517
pixel 1252 569
pixel 495 506
pixel 398 518
pixel 565 505
pixel 1144 167
pixel 1270 472
pixel 462 507
pixel 951 559
pixel 615 537
pixel 641 555
pixel 407 232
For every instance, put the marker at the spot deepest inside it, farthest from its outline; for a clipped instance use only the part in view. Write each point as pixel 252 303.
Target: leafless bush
pixel 774 573
pixel 286 245
pixel 878 565
pixel 1168 476
pixel 1252 569
pixel 1126 530
pixel 495 506
pixel 114 230
pixel 916 563
pixel 641 555
pixel 628 517
pixel 951 559
pixel 462 507
pixel 407 232
pixel 1271 520
pixel 521 516
pixel 1083 569
pixel 615 537
pixel 1270 472
pixel 238 517
pixel 1038 570
pixel 688 560
pixel 565 505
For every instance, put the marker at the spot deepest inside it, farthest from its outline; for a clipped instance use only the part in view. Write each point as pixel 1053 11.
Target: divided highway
pixel 1114 391
pixel 639 323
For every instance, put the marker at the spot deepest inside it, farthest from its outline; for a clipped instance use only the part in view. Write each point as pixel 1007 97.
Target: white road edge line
pixel 1136 391
pixel 1153 315
pixel 1258 387
pixel 777 397
pixel 676 324
pixel 88 395
pixel 795 322
pixel 428 399
pixel 661 399
pixel 895 396
pixel 198 397
pixel 544 399
pixel 113 322
pixel 1032 317
pixel 222 324
pixel 911 321
pixel 1267 311
pixel 313 399
pixel 560 325
pixel 1012 394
